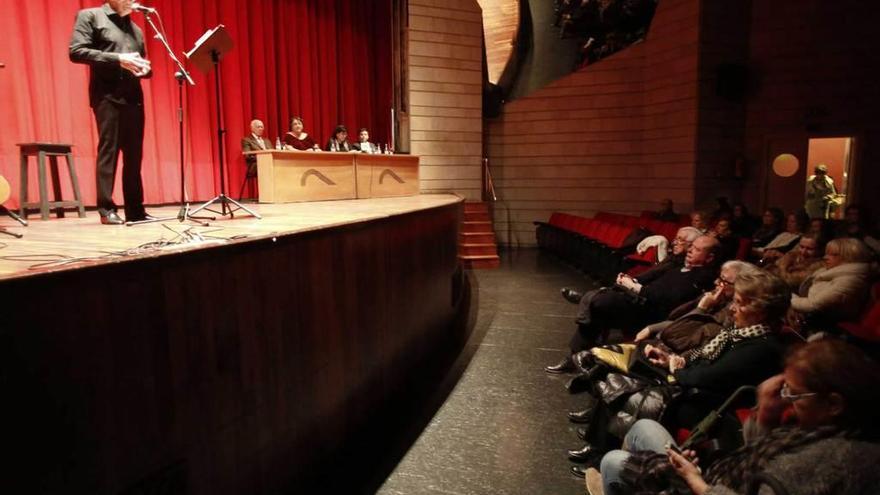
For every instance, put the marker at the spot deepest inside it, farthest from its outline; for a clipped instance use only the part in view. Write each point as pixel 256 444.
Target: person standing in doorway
pixel 820 193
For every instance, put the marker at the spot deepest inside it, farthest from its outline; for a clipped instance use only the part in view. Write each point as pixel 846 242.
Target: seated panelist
pixel 297 139
pixel 339 141
pixel 254 142
pixel 364 145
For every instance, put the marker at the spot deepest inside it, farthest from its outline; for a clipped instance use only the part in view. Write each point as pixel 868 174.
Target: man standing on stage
pixel 108 41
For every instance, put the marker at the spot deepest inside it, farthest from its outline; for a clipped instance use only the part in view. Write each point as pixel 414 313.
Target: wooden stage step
pixel 477 247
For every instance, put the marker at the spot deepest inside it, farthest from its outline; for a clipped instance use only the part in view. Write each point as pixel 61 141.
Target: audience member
pixel 696 322
pixel 683 239
pixel 700 221
pixel 722 209
pixel 783 242
pixel 742 223
pixel 836 292
pixel 297 139
pixel 745 353
pixel 771 226
pixel 820 227
pixel 364 145
pixel 339 140
pixel 729 242
pixel 796 265
pixel 857 224
pixel 814 432
pixel 633 303
pixel 666 212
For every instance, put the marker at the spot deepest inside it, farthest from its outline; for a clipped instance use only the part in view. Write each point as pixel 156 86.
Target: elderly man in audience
pixel 814 432
pixel 633 303
pixel 796 265
pixel 838 291
pixel 666 255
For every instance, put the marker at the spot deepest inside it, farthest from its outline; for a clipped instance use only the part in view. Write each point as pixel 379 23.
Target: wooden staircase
pixel 476 238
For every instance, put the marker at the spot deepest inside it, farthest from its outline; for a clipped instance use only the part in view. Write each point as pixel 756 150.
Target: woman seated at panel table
pixel 296 139
pixel 364 145
pixel 339 141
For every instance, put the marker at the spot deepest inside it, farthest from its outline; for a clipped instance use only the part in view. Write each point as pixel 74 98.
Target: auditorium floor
pixel 502 429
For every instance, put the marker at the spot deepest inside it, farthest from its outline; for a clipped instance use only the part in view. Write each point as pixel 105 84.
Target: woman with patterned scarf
pixel 746 353
pixel 828 388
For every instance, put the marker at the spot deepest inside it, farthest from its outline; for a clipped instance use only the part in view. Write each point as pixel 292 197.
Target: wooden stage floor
pixel 73 243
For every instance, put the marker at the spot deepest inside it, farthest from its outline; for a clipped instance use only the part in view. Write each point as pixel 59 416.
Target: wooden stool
pixel 53 151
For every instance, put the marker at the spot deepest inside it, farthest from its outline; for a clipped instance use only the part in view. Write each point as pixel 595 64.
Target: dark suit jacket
pixel 248 143
pixel 675 287
pixel 358 147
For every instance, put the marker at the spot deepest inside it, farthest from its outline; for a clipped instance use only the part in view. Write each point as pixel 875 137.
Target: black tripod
pixel 22 221
pixel 181 75
pixel 228 206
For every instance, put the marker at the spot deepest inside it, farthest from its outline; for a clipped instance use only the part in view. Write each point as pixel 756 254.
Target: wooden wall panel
pixel 445 94
pixel 619 135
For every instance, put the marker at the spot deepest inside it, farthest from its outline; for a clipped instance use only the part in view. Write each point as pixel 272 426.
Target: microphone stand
pixel 180 76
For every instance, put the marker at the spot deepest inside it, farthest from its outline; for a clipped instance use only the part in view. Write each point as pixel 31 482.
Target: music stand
pixel 205 55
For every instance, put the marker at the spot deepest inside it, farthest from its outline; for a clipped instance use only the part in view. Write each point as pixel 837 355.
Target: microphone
pixel 142 8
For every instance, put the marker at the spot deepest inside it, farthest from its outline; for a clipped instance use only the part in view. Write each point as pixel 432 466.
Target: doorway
pixel 836 153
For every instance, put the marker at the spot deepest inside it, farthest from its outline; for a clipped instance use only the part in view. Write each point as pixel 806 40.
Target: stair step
pixel 477 227
pixel 477 249
pixel 476 216
pixel 474 206
pixel 476 238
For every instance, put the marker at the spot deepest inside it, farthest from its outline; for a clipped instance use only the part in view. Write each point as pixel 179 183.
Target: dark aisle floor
pixel 503 428
pixel 549 57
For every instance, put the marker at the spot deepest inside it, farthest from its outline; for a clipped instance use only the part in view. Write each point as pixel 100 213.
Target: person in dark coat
pixel 633 303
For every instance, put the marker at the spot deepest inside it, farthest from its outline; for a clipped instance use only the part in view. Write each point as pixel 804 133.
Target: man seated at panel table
pixel 364 145
pixel 254 142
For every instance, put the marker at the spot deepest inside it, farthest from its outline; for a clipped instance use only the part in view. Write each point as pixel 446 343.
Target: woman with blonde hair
pixel 838 291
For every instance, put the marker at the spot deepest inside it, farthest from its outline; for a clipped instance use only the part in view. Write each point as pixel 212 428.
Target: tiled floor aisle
pixel 503 428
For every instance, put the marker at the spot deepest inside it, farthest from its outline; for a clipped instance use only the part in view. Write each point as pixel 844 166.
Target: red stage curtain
pixel 326 60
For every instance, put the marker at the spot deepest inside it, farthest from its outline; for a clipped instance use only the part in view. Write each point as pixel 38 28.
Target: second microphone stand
pixel 180 76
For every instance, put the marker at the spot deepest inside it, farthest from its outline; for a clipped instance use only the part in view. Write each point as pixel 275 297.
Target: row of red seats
pixel 597 244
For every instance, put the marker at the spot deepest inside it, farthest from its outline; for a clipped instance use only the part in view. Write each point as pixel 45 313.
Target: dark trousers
pixel 603 310
pixel 120 128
